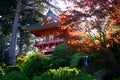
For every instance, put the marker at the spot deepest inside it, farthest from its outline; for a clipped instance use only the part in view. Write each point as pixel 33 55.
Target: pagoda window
pixel 38 39
pixel 41 40
pixel 44 39
pixel 55 38
pixel 51 37
pixel 58 38
pixel 47 39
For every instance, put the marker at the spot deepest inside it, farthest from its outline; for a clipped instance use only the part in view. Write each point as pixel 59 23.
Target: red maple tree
pixel 88 25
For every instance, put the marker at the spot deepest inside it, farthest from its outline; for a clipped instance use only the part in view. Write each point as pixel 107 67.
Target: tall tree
pixel 6 16
pixel 14 33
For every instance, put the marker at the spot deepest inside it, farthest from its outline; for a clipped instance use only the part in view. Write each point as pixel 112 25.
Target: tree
pixel 14 33
pixel 6 16
pixel 89 25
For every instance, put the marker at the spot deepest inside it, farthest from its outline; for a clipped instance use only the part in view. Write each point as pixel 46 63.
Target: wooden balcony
pixel 37 43
pixel 49 50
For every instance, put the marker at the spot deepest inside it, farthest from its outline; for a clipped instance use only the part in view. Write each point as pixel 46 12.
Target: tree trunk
pixel 20 49
pixel 3 46
pixel 14 34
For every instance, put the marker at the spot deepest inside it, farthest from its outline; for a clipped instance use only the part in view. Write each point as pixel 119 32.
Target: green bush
pixel 77 60
pixel 11 68
pixel 93 57
pixel 60 61
pixel 1 71
pixel 117 78
pixel 36 78
pixel 100 61
pixel 35 65
pixel 20 60
pixel 14 75
pixel 60 74
pixel 84 77
pixel 65 73
pixel 60 49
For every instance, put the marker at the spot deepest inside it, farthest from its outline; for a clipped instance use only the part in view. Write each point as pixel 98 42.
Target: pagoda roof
pixel 49 21
pixel 52 15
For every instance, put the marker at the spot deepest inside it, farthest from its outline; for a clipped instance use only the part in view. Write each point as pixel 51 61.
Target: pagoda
pixel 46 33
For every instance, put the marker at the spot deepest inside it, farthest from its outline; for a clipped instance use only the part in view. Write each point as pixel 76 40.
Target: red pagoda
pixel 46 33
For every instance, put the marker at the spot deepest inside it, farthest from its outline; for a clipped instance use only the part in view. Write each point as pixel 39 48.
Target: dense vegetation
pixel 69 66
pixel 36 68
pixel 91 28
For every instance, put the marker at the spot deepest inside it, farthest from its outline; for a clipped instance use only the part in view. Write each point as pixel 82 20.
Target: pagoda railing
pixel 47 50
pixel 49 42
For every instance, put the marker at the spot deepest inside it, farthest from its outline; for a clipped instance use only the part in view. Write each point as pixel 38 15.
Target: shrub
pixel 60 61
pixel 36 78
pixel 35 65
pixel 65 73
pixel 14 75
pixel 100 61
pixel 11 68
pixel 77 60
pixel 84 76
pixel 113 73
pixel 60 49
pixel 60 74
pixel 1 71
pixel 93 57
pixel 20 60
pixel 117 78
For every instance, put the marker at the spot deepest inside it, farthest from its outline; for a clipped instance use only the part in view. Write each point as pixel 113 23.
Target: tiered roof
pixel 50 21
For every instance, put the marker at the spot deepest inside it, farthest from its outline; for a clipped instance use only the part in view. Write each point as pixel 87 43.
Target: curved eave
pixel 46 26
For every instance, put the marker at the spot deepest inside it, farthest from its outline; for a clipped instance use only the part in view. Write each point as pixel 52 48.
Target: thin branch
pixel 46 2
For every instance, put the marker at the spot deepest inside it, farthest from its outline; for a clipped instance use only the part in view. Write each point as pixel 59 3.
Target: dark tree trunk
pixel 20 49
pixel 3 47
pixel 14 34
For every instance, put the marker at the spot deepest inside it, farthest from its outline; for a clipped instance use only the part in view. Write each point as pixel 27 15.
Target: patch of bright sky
pixel 62 5
pixel 59 3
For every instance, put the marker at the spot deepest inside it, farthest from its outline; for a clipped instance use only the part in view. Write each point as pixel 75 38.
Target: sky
pixel 62 5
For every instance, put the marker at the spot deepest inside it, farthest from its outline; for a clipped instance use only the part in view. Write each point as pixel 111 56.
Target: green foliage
pixel 60 61
pixel 84 76
pixel 25 39
pixel 65 73
pixel 35 65
pixel 3 65
pixel 20 60
pixel 93 57
pixel 14 75
pixel 100 61
pixel 6 57
pixel 77 60
pixel 60 74
pixel 1 71
pixel 60 49
pixel 117 78
pixel 36 78
pixel 11 68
